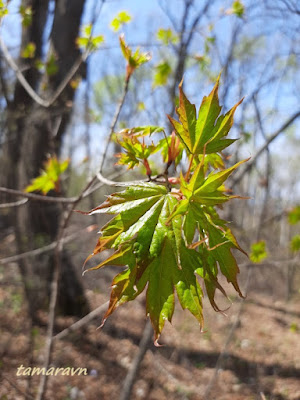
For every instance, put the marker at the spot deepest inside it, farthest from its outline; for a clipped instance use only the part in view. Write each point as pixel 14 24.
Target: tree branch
pixel 45 249
pixel 270 139
pixel 135 365
pixel 83 321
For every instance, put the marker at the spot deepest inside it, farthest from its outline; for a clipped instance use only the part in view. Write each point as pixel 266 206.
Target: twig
pixel 52 199
pixel 109 182
pixel 32 93
pixel 251 163
pixel 162 369
pixel 18 389
pixel 14 204
pixel 114 123
pixel 135 365
pixel 83 321
pixel 45 249
pixel 38 197
pixel 214 378
pixel 54 287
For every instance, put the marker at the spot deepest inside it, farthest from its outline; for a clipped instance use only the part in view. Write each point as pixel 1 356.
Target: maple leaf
pixel 50 176
pixel 206 133
pixel 136 151
pixel 168 237
pixel 147 238
pixel 134 59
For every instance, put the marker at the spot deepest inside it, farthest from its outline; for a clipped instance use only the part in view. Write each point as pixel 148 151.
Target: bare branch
pixel 14 204
pixel 229 337
pixel 135 365
pixel 45 249
pixel 52 199
pixel 27 396
pixel 270 139
pixel 114 122
pixel 83 321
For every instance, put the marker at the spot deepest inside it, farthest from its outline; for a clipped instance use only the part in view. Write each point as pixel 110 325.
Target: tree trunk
pixel 35 132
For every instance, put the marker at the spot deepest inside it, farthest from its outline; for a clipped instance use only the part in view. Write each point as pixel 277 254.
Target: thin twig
pixel 270 139
pixel 233 328
pixel 14 204
pixel 83 321
pixel 52 199
pixel 45 249
pixel 18 389
pixel 32 93
pixel 135 365
pixel 109 182
pixel 54 287
pixel 114 122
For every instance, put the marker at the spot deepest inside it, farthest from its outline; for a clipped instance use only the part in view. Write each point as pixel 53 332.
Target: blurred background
pixel 62 77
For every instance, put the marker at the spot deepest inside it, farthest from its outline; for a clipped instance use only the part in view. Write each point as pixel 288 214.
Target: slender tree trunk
pixel 35 133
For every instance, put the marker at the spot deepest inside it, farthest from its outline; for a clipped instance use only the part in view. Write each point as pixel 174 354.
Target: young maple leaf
pixel 50 176
pixel 147 238
pixel 205 134
pixel 168 238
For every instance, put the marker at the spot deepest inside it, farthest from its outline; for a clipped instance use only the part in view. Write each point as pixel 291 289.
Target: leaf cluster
pixel 88 42
pixel 167 232
pixel 134 59
pixel 121 19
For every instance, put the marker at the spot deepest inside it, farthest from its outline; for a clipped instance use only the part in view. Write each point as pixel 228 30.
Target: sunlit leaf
pixel 88 42
pixel 51 65
pixel 294 215
pixel 295 243
pixel 3 8
pixel 258 252
pixel 238 8
pixel 26 14
pixel 50 177
pixel 167 236
pixel 167 36
pixel 121 19
pixel 29 51
pixel 205 133
pixel 162 73
pixel 134 59
pixel 147 238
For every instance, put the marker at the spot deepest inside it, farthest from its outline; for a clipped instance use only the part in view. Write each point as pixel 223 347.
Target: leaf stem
pixel 189 169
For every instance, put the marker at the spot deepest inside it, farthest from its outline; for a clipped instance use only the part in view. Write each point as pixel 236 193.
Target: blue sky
pixel 277 100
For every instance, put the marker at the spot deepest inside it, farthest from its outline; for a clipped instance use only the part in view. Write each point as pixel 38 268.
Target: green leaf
pixel 134 60
pixel 238 8
pixel 50 177
pixel 121 19
pixel 26 14
pixel 294 215
pixel 162 73
pixel 51 65
pixel 258 252
pixel 88 42
pixel 203 134
pixel 136 150
pixel 147 238
pixel 210 190
pixel 29 51
pixel 167 36
pixel 295 243
pixel 3 8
